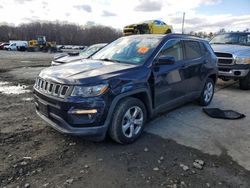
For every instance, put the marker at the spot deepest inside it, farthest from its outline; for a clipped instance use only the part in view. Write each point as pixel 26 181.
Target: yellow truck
pixel 148 27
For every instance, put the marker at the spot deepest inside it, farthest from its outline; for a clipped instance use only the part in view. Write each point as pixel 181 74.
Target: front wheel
pixel 245 82
pixel 207 93
pixel 128 121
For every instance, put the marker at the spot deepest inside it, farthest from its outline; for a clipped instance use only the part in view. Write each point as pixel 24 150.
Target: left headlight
pixel 90 91
pixel 242 60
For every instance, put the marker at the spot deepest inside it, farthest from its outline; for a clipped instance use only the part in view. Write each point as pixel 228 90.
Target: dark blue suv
pixel 125 84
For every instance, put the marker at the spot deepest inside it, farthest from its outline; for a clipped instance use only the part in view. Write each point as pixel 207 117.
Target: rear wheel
pixel 168 31
pixel 207 93
pixel 245 82
pixel 128 121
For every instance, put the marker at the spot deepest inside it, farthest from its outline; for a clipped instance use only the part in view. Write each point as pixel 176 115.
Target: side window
pixel 173 48
pixel 203 49
pixel 192 49
pixel 156 22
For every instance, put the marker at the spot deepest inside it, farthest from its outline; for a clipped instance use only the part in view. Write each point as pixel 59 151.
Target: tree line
pixel 61 33
pixel 210 35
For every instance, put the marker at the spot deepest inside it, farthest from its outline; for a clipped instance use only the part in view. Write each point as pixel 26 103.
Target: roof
pixel 170 35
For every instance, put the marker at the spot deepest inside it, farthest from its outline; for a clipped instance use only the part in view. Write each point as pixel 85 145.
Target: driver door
pixel 169 82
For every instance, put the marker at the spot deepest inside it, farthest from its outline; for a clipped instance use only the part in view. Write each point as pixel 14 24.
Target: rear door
pixel 192 68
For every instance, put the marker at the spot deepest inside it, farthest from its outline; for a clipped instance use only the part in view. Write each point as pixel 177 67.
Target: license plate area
pixel 43 108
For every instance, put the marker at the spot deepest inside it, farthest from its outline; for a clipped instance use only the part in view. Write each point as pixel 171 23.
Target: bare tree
pixel 62 33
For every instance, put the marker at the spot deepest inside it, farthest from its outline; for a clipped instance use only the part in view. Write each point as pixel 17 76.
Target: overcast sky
pixel 201 15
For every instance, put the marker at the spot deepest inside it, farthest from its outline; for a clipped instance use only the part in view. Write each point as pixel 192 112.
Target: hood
pixel 84 71
pixel 237 50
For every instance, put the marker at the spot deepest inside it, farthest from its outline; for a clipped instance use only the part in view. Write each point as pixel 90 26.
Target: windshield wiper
pixel 217 43
pixel 110 60
pixel 231 43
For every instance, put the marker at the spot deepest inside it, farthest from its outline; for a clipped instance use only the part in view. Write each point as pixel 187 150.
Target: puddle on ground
pixel 9 89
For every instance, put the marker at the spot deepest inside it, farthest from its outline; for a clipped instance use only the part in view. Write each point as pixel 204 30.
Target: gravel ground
pixel 34 155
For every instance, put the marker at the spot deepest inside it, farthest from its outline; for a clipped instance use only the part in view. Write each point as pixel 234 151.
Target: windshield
pixel 132 50
pixel 232 38
pixel 91 50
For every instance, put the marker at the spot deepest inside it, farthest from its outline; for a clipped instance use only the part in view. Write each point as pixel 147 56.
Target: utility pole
pixel 183 20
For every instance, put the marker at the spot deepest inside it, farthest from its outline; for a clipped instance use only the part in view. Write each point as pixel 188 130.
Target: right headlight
pixel 90 91
pixel 242 60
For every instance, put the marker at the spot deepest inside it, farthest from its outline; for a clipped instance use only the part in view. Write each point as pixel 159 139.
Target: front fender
pixel 121 96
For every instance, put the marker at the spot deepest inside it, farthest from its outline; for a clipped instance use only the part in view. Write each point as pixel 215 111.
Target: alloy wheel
pixel 132 121
pixel 208 92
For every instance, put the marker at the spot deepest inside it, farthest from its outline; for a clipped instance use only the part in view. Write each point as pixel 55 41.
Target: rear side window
pixel 192 49
pixel 173 48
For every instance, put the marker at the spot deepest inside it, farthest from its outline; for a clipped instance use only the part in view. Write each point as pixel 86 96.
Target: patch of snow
pixel 27 99
pixel 8 89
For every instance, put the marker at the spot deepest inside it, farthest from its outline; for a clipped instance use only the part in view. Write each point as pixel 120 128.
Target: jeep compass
pixel 126 83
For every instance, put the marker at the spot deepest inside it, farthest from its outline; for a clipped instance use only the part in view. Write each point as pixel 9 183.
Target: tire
pixel 245 82
pixel 168 31
pixel 207 93
pixel 123 128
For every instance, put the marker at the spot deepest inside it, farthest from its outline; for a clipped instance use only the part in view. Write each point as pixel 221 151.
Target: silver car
pixel 74 56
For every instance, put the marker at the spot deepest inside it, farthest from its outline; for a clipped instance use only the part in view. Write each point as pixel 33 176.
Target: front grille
pixel 51 88
pixel 225 58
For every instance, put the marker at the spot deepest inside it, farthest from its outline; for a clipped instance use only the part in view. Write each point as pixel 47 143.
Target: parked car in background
pixel 79 47
pixel 74 56
pixel 233 52
pixel 123 85
pixel 3 45
pixel 17 45
pixel 148 27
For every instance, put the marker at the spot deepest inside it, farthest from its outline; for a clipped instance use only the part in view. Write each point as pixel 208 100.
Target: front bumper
pixel 129 31
pixel 234 71
pixel 95 133
pixel 57 113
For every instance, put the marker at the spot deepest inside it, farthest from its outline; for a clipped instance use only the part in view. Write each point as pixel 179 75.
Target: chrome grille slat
pixel 225 58
pixel 51 88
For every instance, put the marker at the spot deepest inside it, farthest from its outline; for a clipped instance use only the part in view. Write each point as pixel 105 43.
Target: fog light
pixel 81 111
pixel 237 73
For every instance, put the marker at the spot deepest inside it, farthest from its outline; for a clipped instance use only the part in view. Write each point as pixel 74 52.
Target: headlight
pixel 91 91
pixel 242 60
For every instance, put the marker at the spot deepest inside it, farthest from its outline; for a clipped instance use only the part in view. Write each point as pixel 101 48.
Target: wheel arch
pixel 213 77
pixel 146 100
pixel 141 94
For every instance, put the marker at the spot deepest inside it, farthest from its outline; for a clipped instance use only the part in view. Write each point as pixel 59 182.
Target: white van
pixel 17 45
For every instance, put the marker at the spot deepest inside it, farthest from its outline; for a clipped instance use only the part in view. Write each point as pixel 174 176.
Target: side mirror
pixel 166 60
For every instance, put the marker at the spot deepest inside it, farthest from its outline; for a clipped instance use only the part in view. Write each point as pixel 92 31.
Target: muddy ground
pixel 34 155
